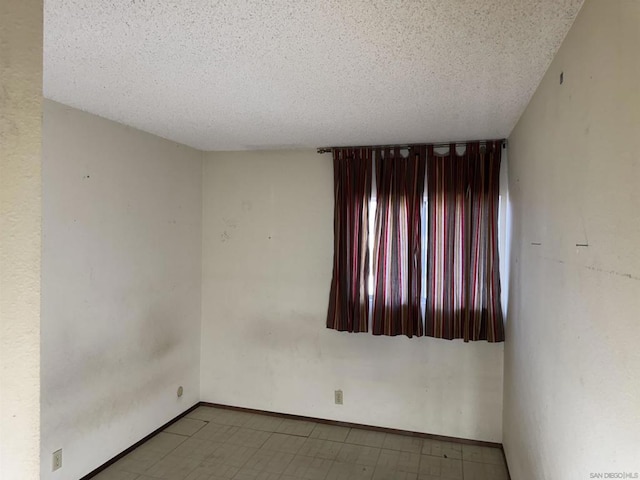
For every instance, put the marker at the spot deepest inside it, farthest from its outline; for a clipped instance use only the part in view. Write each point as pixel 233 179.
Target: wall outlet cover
pixel 338 397
pixel 57 460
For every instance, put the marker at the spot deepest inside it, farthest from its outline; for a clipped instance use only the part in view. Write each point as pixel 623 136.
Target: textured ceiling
pixel 253 74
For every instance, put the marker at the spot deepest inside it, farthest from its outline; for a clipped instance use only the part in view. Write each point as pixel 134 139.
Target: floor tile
pixel 314 447
pixel 220 444
pixel 212 470
pixel 403 443
pixel 196 448
pixel 334 433
pixel 349 471
pixel 296 427
pixel 185 426
pixel 264 423
pixel 358 454
pixel 203 413
pixel 139 460
pixel 308 468
pixel 249 438
pixel 474 453
pixel 172 467
pixel 400 461
pixel 484 471
pixel 386 473
pixel 221 416
pixel 279 442
pixel 365 437
pixel 234 455
pixel 163 442
pixel 216 432
pixel 437 448
pixel 443 467
pixel 112 473
pixel 248 474
pixel 269 461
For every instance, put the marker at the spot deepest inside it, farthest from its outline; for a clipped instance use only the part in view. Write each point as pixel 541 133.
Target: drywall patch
pixel 613 272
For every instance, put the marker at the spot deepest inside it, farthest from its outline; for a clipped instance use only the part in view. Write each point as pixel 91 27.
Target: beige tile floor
pixel 217 444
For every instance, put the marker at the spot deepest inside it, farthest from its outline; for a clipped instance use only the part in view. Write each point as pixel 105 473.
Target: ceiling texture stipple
pixel 266 74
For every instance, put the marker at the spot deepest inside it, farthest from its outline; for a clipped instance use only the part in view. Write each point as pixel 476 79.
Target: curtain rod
pixel 409 146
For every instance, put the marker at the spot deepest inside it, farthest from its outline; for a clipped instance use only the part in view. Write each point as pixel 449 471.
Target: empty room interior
pixel 320 240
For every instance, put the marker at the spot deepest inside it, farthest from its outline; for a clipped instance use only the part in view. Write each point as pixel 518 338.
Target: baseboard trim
pixel 442 438
pixel 504 457
pixel 113 460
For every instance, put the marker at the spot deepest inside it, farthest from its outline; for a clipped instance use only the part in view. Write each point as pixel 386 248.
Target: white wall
pixel 121 272
pixel 20 236
pixel 267 257
pixel 572 360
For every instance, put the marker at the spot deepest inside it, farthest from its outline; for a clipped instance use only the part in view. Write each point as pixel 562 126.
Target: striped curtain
pixel 348 302
pixel 463 280
pixel 397 242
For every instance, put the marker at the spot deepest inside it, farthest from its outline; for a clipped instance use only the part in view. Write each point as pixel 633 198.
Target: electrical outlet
pixel 338 397
pixel 57 460
pixel 180 391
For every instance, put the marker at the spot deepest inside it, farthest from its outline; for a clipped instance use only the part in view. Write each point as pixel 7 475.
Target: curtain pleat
pixel 348 301
pixel 463 278
pixel 397 242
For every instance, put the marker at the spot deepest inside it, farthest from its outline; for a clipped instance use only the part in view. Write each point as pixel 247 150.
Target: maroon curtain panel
pixel 463 278
pixel 348 301
pixel 397 242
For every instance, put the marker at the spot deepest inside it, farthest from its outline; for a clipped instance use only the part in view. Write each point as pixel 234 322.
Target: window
pixel 424 258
